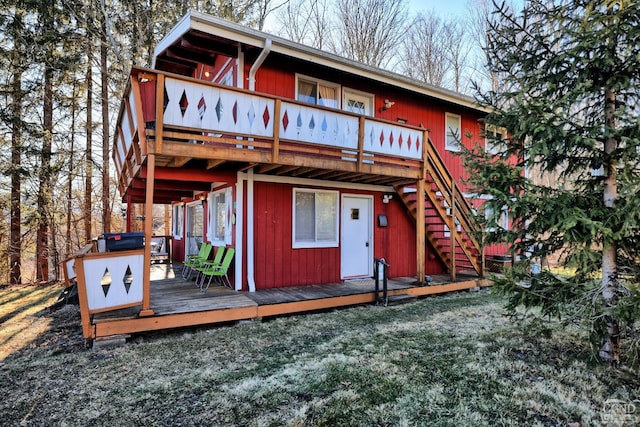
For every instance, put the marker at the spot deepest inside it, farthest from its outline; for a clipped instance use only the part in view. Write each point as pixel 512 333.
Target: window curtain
pixel 306 91
pixel 328 96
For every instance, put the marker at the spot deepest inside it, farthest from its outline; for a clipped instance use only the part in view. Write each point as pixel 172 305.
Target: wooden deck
pixel 178 303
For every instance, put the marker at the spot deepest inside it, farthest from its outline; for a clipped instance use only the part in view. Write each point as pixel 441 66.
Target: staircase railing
pixel 453 213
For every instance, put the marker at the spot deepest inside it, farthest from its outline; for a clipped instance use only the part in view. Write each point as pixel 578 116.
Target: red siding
pixel 277 264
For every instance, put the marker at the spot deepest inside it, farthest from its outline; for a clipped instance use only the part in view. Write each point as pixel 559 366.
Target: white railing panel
pixel 113 281
pixel 314 125
pixel 395 140
pixel 218 110
pixel 133 106
pixel 121 149
pixel 126 132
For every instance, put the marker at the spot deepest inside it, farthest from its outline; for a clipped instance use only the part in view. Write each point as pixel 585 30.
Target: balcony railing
pixel 175 109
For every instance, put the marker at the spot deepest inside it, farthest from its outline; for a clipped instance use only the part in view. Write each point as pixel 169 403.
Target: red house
pixel 309 165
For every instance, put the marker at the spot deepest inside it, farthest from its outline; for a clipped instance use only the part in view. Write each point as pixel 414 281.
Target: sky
pixel 444 8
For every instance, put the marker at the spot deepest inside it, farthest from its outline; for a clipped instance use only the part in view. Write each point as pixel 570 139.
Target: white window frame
pixel 315 244
pixel 227 78
pixel 450 143
pixel 490 132
pixel 358 94
pixel 503 221
pixel 318 82
pixel 178 221
pixel 213 217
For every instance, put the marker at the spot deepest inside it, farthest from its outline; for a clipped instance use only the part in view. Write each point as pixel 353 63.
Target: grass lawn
pixel 450 360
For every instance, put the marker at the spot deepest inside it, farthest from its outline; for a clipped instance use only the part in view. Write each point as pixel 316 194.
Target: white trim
pixel 358 93
pixel 239 213
pixel 493 130
pixel 222 70
pixel 250 234
pixel 370 231
pixel 317 81
pixel 211 217
pixel 177 214
pixel 315 243
pixel 455 146
pixel 240 82
pixel 320 183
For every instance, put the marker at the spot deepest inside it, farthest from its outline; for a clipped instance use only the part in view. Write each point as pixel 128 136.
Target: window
pixel 227 78
pixel 219 210
pixel 494 139
pixel 178 221
pixel 453 138
pixel 492 221
pixel 314 91
pixel 358 102
pixel 315 219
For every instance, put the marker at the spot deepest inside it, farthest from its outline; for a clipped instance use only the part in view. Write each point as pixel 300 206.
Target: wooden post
pixel 420 214
pixel 88 330
pixel 360 143
pixel 420 230
pixel 152 149
pixel 276 131
pixel 453 229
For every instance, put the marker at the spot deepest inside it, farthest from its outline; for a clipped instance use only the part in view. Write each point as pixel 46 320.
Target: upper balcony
pixel 206 129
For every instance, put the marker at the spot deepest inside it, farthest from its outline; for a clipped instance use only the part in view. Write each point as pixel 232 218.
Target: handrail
pixel 459 206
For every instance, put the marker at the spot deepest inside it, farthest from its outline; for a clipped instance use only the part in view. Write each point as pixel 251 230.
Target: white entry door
pixel 356 237
pixel 357 102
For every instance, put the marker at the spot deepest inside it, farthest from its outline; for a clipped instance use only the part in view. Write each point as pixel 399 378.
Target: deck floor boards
pixel 171 294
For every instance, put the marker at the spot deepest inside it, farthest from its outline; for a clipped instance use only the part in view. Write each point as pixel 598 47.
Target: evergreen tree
pixel 570 101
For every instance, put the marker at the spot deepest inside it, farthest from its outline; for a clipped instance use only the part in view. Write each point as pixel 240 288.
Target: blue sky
pixel 443 8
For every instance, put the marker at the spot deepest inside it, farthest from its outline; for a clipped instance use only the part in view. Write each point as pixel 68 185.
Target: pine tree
pixel 569 99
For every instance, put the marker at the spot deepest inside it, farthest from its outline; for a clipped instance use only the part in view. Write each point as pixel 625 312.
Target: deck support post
pixel 421 228
pixel 453 229
pixel 420 231
pixel 148 232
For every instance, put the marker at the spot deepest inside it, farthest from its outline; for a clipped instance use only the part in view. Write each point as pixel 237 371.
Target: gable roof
pixel 194 23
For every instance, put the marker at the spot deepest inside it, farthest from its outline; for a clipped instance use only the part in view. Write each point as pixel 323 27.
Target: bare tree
pixel 370 31
pixel 457 51
pixel 423 51
pixel 306 21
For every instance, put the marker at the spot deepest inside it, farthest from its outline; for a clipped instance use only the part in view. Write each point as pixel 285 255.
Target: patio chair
pixel 220 271
pixel 193 261
pixel 217 259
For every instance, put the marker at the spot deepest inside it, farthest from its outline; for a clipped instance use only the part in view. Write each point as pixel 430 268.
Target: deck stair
pixel 449 222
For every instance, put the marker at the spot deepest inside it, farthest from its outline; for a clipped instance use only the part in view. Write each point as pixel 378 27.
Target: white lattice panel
pixel 387 138
pixel 314 125
pixel 113 281
pixel 217 110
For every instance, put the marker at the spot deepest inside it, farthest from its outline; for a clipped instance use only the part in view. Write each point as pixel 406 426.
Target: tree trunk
pixel 67 251
pixel 106 208
pixel 610 350
pixel 44 189
pixel 89 131
pixel 15 239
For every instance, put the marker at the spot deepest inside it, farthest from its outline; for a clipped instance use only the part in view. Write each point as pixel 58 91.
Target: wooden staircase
pixel 449 223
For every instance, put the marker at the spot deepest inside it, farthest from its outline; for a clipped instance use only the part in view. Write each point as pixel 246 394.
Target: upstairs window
pixel 453 135
pixel 314 91
pixel 494 139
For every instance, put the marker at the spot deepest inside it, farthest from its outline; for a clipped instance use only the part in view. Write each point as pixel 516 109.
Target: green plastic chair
pixel 217 259
pixel 192 262
pixel 220 271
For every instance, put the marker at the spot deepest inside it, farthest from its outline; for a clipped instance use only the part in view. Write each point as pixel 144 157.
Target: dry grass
pixel 447 361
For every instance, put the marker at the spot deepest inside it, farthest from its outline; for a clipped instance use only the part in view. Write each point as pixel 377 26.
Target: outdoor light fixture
pixel 386 198
pixel 387 104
